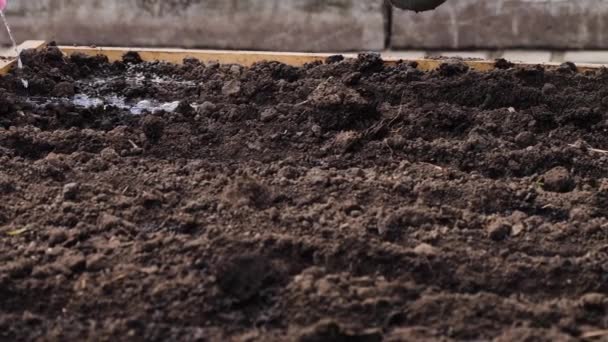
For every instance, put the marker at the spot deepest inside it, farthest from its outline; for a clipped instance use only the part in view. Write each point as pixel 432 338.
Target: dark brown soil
pixel 347 201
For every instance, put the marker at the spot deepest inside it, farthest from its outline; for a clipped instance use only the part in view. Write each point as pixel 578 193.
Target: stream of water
pixel 10 35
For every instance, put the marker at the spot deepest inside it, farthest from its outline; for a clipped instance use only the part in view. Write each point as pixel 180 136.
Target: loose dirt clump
pixel 248 192
pixel 558 180
pixel 338 106
pixel 153 128
pixel 344 201
pixel 245 276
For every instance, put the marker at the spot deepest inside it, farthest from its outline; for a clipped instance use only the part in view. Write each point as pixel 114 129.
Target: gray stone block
pixel 295 25
pixel 464 24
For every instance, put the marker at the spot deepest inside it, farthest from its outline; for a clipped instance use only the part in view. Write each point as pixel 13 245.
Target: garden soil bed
pixel 340 201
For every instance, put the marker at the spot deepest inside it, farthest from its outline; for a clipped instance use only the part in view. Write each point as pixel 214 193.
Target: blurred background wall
pixel 466 24
pixel 314 25
pixel 304 25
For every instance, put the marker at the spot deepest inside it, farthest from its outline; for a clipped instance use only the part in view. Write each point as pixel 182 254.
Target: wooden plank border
pixel 248 58
pixel 176 56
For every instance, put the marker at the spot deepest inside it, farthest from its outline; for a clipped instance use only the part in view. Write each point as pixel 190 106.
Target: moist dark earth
pixel 340 201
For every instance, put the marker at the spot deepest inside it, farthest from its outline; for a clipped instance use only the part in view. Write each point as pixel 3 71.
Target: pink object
pixel 2 4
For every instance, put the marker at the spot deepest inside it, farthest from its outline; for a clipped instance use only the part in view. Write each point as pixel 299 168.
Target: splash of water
pixel 10 35
pixel 150 106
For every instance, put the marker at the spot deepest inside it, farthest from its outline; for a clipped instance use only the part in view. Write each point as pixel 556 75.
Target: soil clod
pixel 558 179
pixel 64 89
pixel 499 230
pixel 70 191
pixel 248 192
pixel 502 63
pixel 243 277
pixel 153 128
pixel 132 57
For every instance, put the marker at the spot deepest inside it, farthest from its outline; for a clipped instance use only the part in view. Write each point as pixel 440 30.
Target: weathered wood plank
pixel 248 58
pixel 245 58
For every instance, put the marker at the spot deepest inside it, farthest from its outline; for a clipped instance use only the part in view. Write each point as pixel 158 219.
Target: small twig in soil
pixel 433 165
pixel 396 131
pixel 119 277
pixel 401 104
pixel 390 123
pixel 595 333
pixel 374 129
pixel 583 145
pixel 17 232
pixel 301 103
pixel 597 150
pixel 389 148
pixel 133 144
pixel 162 225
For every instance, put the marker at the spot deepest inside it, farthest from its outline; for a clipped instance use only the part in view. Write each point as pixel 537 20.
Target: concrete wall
pixel 462 24
pixel 297 25
pixel 312 25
